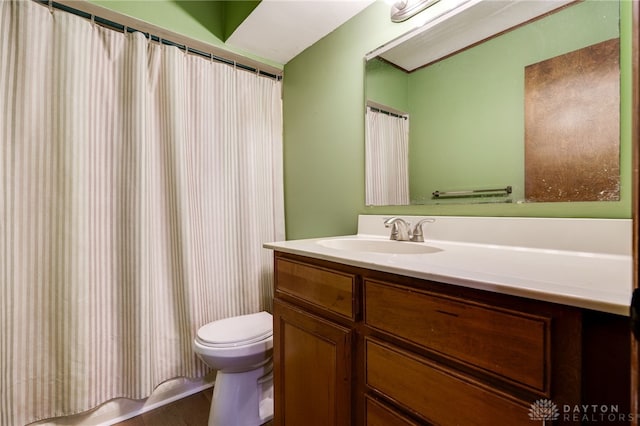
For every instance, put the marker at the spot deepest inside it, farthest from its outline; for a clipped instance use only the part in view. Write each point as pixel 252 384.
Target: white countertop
pixel 587 279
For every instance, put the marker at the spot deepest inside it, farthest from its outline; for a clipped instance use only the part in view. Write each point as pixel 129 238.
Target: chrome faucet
pixel 401 229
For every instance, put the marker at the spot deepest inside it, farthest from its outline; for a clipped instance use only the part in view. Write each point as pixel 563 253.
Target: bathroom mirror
pixel 477 129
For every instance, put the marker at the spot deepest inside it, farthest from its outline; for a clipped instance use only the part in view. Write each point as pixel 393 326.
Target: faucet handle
pixel 417 235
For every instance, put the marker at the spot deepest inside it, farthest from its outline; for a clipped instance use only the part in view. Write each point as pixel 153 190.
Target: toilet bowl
pixel 241 349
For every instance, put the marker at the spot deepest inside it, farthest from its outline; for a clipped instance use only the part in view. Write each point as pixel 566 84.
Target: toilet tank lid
pixel 241 329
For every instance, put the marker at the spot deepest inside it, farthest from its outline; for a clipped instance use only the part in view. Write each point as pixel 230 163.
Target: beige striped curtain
pixel 386 159
pixel 137 185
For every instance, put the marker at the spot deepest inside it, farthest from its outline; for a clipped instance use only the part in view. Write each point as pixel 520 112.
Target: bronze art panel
pixel 572 130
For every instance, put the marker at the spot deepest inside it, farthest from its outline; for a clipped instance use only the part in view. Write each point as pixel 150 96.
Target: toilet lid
pixel 238 330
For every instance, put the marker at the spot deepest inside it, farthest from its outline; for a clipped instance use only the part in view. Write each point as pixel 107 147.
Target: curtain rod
pixel 107 18
pixel 387 110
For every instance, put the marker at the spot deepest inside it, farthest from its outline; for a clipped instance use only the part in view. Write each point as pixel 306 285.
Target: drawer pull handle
pixel 447 313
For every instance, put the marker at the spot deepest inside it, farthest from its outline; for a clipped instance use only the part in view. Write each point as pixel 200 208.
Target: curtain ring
pixel 51 6
pixel 125 30
pixel 93 21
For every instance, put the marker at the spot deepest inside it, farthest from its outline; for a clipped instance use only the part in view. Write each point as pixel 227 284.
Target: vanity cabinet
pixel 314 315
pixel 362 347
pixel 312 368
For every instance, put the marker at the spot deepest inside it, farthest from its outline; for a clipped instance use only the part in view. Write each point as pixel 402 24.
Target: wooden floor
pixel 190 411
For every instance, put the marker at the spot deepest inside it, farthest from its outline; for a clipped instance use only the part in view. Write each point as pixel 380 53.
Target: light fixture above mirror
pixel 452 26
pixel 402 10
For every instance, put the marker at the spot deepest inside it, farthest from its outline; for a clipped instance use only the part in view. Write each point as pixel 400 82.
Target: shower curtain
pixel 137 185
pixel 386 159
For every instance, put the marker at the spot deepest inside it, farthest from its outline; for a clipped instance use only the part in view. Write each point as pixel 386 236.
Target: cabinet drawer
pixel 325 288
pixel 436 393
pixel 378 414
pixel 511 345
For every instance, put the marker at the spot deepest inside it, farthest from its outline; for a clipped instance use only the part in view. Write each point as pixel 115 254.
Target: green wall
pixel 235 12
pixel 467 128
pixel 387 85
pixel 324 135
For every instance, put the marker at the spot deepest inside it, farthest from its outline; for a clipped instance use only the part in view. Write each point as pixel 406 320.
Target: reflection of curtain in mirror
pixel 386 159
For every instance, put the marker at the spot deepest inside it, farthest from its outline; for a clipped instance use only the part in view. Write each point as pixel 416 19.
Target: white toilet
pixel 241 349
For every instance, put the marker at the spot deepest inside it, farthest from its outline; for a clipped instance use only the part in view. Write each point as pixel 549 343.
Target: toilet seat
pixel 236 331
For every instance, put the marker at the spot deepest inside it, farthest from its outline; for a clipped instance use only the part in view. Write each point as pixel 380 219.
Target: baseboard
pixel 122 409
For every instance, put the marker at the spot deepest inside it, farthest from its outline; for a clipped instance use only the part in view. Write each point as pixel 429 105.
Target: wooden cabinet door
pixel 312 369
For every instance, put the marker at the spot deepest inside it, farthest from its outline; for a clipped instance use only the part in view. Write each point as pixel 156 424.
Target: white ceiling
pixel 279 30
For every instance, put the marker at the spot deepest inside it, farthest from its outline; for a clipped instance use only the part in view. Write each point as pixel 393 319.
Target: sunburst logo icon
pixel 543 409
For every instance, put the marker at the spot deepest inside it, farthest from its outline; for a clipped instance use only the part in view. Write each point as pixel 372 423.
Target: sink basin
pixel 378 246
